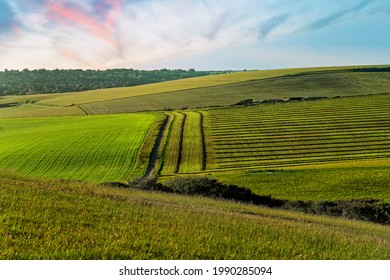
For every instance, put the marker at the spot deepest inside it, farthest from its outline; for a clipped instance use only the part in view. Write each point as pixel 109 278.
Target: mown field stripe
pixel 193 147
pixel 288 133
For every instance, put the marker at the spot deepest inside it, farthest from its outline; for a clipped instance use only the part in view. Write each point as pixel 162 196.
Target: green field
pixel 300 133
pixel 65 220
pixel 336 148
pixel 90 148
pixel 312 150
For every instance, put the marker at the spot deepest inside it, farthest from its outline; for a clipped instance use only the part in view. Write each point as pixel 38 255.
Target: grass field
pixel 295 134
pixel 312 150
pixel 91 148
pixel 329 149
pixel 65 220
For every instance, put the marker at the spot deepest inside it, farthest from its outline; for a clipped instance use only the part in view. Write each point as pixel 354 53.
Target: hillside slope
pixel 67 220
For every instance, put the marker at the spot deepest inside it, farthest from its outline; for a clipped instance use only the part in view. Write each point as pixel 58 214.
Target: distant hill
pixel 221 89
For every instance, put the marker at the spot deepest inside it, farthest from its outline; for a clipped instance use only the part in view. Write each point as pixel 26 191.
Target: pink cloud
pixel 101 25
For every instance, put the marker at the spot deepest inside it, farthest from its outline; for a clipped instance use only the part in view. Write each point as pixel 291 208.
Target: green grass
pixel 192 150
pixel 330 149
pixel 316 183
pixel 90 148
pixel 312 150
pixel 65 220
pixel 173 146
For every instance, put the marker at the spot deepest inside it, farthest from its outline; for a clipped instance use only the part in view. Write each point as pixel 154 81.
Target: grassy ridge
pixel 309 84
pixel 91 148
pixel 223 89
pixel 59 220
pixel 30 110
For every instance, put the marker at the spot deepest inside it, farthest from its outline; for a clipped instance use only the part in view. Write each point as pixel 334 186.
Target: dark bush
pixel 371 210
pixel 204 186
pixel 149 184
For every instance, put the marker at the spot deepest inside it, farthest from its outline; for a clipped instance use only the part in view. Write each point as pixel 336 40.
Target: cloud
pixel 99 19
pixel 133 33
pixel 271 24
pixel 339 15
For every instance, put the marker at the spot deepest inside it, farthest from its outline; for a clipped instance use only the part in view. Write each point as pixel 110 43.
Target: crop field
pixel 90 148
pixel 282 135
pixel 70 220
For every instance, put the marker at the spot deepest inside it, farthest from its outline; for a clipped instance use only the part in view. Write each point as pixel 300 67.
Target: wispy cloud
pixel 99 19
pixel 130 33
pixel 339 15
pixel 271 24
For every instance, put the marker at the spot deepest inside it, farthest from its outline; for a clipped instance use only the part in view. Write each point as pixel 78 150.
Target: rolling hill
pixel 319 134
pixel 68 220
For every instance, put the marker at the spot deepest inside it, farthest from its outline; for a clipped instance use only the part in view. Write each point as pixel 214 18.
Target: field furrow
pixel 298 133
pixel 172 150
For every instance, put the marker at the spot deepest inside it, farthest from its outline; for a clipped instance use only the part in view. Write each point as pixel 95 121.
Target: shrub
pixel 149 184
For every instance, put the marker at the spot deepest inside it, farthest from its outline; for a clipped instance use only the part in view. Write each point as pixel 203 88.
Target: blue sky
pixel 200 34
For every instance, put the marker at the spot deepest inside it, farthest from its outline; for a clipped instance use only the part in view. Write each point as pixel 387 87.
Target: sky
pixel 200 34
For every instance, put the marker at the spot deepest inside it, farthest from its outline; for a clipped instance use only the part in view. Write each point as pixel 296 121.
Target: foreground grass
pixel 65 220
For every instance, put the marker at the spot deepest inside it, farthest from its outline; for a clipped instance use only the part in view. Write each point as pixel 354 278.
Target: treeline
pixel 370 210
pixel 15 82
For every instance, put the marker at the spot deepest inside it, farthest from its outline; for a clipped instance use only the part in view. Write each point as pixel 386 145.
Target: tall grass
pixel 65 220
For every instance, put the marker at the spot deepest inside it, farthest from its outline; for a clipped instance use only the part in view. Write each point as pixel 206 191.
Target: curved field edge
pixel 90 148
pixel 69 220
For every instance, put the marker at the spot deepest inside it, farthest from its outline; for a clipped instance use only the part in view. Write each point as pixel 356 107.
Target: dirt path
pixel 154 155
